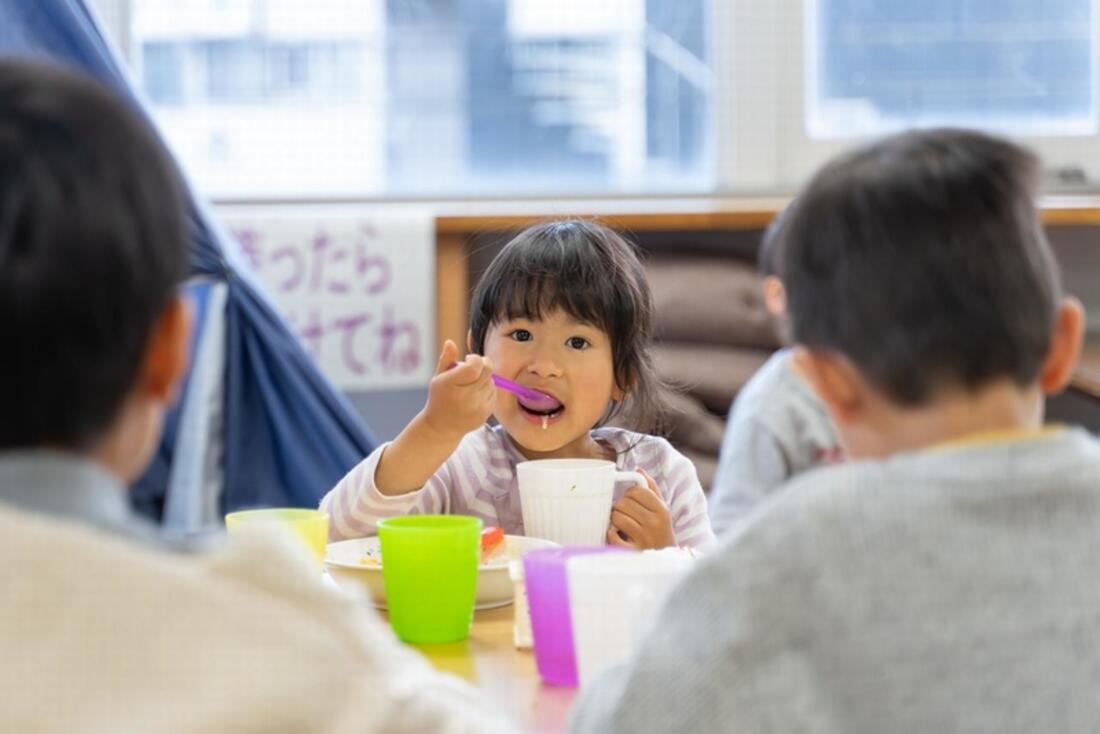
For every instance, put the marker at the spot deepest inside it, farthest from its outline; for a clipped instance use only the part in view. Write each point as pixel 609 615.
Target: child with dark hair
pixel 565 309
pixel 943 579
pixel 92 251
pixel 777 426
pixel 105 627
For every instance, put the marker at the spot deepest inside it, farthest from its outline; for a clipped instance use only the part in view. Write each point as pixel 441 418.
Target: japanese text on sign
pixel 357 291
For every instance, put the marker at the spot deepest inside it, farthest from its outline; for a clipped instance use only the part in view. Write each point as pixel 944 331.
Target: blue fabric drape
pixel 289 435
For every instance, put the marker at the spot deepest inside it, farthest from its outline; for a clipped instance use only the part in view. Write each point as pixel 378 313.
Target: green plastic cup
pixel 429 567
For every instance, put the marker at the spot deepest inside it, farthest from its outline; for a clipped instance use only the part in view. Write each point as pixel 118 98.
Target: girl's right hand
pixel 460 398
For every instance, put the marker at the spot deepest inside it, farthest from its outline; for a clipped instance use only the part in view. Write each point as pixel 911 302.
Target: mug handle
pixel 630 476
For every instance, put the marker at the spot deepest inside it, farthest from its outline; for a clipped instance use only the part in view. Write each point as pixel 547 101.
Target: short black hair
pixel 92 249
pixel 767 256
pixel 922 258
pixel 593 274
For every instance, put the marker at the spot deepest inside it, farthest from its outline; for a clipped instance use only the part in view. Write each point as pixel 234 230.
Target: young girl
pixel 565 309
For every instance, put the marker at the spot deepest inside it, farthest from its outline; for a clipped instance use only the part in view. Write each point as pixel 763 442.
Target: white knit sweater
pixel 100 634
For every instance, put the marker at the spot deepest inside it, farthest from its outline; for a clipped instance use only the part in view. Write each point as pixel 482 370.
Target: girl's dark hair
pixel 595 276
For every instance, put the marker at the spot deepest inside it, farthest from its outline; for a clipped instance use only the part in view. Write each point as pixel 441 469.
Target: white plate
pixel 343 559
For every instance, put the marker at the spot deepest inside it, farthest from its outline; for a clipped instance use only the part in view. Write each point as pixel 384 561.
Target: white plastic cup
pixel 521 615
pixel 613 601
pixel 569 501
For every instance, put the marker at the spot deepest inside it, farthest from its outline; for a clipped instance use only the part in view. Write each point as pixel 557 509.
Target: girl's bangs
pixel 534 296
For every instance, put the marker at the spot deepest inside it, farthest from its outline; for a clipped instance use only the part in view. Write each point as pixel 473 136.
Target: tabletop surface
pixel 506 676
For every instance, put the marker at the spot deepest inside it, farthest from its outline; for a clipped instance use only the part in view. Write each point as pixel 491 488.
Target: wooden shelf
pixel 687 214
pixel 1071 210
pixel 658 216
pixel 456 226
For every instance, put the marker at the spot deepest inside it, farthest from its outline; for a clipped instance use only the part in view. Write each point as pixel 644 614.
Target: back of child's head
pixel 92 248
pixel 922 259
pixel 767 255
pixel 774 290
pixel 589 272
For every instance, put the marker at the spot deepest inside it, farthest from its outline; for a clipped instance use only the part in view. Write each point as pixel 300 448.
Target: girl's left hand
pixel 643 517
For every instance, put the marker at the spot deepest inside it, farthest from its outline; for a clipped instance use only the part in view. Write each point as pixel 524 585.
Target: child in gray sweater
pixel 944 578
pixel 777 426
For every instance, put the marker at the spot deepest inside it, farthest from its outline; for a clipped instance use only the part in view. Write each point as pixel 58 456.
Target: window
pixel 805 79
pixel 282 98
pixel 430 98
pixel 1020 66
pixel 164 73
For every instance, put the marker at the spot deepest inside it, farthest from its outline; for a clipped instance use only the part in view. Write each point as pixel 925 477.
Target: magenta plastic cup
pixel 548 602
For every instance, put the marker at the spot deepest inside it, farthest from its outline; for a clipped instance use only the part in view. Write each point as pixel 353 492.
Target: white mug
pixel 569 501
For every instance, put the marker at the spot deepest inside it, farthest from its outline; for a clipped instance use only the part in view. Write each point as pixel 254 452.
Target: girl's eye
pixel 577 342
pixel 521 335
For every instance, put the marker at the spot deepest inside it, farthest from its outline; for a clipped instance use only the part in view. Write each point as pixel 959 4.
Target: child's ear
pixel 1065 347
pixel 469 342
pixel 775 295
pixel 166 356
pixel 834 379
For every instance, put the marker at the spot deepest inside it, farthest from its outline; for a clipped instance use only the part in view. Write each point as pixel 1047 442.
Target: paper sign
pixel 358 291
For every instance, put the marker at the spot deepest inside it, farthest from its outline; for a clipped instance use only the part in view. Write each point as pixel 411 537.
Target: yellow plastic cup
pixel 306 526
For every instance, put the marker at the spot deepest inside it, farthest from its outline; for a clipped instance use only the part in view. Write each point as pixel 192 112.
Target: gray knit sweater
pixel 953 589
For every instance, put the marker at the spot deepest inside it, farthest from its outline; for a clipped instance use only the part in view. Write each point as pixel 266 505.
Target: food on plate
pixel 492 541
pixel 491 538
pixel 372 559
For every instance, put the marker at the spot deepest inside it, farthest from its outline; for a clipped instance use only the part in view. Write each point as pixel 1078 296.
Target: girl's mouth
pixel 540 415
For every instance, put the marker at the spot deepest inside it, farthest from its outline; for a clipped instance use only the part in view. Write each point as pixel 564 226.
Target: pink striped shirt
pixel 479 479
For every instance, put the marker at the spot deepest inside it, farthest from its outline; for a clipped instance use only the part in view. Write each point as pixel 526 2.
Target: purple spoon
pixel 533 398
